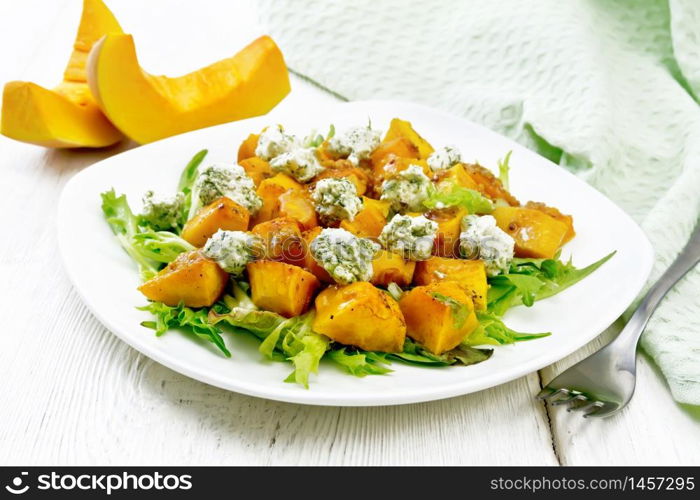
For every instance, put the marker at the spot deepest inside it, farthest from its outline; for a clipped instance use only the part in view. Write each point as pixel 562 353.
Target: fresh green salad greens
pixel 293 340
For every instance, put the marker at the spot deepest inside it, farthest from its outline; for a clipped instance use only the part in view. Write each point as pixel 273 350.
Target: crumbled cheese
pixel 482 239
pixel 232 250
pixel 412 237
pixel 444 158
pixel 336 199
pixel 162 212
pixel 355 144
pixel 301 163
pixel 346 257
pixel 408 190
pixel 273 142
pixel 221 179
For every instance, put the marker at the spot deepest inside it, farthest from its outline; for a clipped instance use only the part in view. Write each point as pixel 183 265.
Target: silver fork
pixel 603 383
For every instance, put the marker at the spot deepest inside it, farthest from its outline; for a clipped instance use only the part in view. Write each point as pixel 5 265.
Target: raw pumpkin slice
pixel 148 107
pixel 66 116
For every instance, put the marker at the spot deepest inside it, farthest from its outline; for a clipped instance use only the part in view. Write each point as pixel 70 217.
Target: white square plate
pixel 106 279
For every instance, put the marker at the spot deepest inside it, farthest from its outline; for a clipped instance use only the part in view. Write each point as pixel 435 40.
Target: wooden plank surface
pixel 75 394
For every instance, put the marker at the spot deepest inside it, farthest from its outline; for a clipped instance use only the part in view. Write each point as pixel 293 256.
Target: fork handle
pixel 686 260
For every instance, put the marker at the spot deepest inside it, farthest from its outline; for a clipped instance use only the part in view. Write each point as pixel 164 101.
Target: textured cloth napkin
pixel 606 89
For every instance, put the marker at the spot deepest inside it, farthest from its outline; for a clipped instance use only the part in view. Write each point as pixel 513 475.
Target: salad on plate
pixel 358 247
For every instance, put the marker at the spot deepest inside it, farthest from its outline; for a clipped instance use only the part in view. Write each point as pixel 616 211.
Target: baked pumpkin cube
pixel 360 315
pixel 468 274
pixel 536 234
pixel 191 279
pixel 270 191
pixel 282 240
pixel 369 221
pixel 309 263
pixel 257 169
pixel 438 316
pixel 400 147
pixel 554 212
pixel 222 213
pixel 248 146
pixel 280 287
pixel 297 205
pixel 403 128
pixel 389 267
pixel 449 221
pixel 489 185
pixel 458 175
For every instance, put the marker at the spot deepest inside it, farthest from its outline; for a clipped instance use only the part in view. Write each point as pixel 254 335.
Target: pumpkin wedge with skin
pixel 148 107
pixel 67 116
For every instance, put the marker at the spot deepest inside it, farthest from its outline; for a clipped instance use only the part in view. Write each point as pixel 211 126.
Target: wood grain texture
pixel 75 394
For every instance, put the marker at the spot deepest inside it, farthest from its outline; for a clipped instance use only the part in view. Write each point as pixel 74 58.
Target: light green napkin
pixel 607 89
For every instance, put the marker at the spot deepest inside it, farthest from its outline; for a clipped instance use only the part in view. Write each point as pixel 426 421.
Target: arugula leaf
pixel 160 246
pixel 504 170
pixel 460 312
pixel 452 195
pixel 530 280
pixel 193 320
pixel 124 225
pixel 187 179
pixel 331 132
pixel 460 355
pixel 492 330
pixel 360 363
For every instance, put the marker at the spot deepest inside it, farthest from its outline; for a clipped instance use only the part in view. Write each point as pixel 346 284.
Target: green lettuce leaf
pixel 452 195
pixel 492 330
pixel 187 179
pixel 124 225
pixel 530 280
pixel 460 355
pixel 160 246
pixel 504 170
pixel 195 321
pixel 360 363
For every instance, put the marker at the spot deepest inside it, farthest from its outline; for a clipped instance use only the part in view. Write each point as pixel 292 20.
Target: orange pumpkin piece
pixel 345 169
pixel 438 316
pixel 389 267
pixel 400 147
pixel 554 212
pixel 449 222
pixel 403 128
pixel 270 190
pixel 281 287
pixel 309 263
pixel 247 148
pixel 459 176
pixel 489 185
pixel 282 240
pixel 468 274
pixel 257 169
pixel 296 205
pixel 191 279
pixel 222 213
pixel 369 221
pixel 360 314
pixel 536 234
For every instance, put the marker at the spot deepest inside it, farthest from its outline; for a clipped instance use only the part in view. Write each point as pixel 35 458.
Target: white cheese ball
pixel 444 158
pixel 222 179
pixel 482 239
pixel 408 190
pixel 336 199
pixel 232 250
pixel 412 237
pixel 355 144
pixel 301 163
pixel 162 212
pixel 346 257
pixel 273 142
